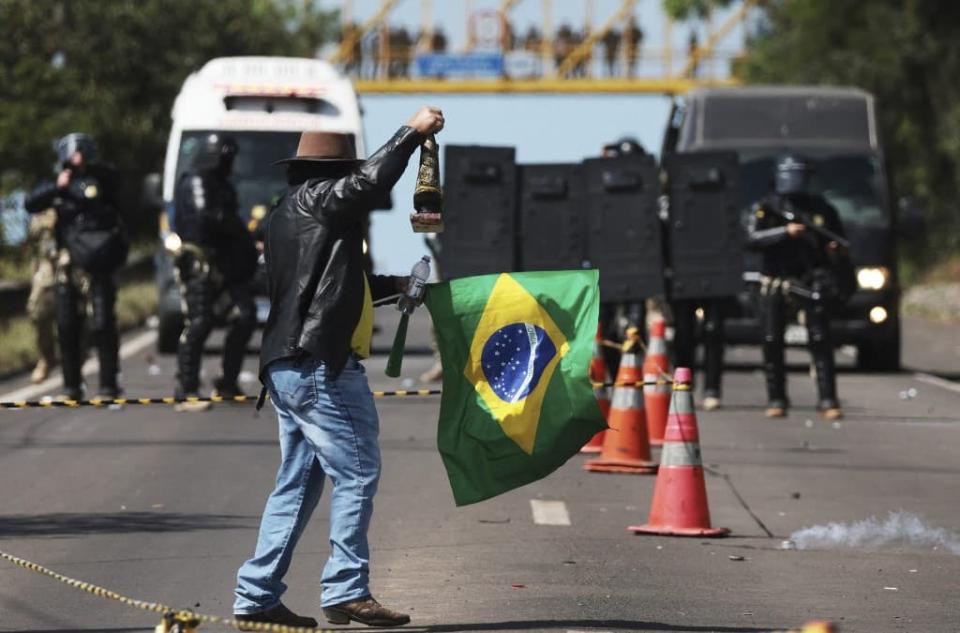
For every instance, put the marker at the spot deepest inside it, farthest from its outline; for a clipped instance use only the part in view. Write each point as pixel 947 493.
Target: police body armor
pixel 88 224
pixel 218 255
pixel 92 245
pixel 805 272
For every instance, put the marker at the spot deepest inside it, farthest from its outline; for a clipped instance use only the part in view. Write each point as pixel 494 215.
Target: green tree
pixel 685 9
pixel 113 68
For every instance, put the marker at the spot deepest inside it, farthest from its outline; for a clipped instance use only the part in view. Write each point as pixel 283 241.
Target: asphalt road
pixel 164 506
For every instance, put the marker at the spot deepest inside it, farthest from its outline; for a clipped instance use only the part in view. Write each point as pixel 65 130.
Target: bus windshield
pixel 853 183
pixel 257 180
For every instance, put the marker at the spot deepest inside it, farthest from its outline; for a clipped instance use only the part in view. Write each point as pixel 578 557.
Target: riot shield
pixel 705 231
pixel 480 209
pixel 552 221
pixel 624 236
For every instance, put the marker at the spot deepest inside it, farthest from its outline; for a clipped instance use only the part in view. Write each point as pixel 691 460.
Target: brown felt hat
pixel 324 147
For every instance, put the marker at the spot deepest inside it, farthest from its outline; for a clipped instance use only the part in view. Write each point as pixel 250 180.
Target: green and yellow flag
pixel 517 402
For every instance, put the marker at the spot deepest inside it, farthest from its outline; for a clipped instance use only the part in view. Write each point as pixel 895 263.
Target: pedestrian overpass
pixel 586 62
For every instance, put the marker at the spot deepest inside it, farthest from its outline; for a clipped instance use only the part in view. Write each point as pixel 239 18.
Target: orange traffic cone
pixel 817 626
pixel 598 374
pixel 625 446
pixel 656 397
pixel 679 505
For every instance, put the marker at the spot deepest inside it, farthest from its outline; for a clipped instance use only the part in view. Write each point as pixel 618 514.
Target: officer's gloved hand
pixel 795 229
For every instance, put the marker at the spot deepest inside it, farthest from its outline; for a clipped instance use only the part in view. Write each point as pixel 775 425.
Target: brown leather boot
pixel 365 611
pixel 276 615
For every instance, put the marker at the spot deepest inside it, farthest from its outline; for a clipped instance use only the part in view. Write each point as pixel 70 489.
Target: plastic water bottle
pixel 416 285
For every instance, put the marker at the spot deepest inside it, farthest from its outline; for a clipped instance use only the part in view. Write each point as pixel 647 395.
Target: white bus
pixel 263 103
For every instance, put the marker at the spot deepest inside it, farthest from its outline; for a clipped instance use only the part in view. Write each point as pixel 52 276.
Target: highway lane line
pixel 127 349
pixel 937 381
pixel 549 512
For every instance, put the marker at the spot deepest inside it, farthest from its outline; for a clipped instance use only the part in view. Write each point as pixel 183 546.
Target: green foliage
pixel 686 9
pixel 114 68
pixel 136 301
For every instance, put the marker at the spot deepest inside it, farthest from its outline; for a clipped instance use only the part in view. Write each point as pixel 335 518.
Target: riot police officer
pixel 804 262
pixel 91 245
pixel 685 316
pixel 217 255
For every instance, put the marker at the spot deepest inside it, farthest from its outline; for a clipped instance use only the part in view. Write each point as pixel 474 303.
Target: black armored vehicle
pixel 836 129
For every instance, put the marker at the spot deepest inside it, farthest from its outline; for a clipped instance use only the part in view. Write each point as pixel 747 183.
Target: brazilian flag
pixel 517 402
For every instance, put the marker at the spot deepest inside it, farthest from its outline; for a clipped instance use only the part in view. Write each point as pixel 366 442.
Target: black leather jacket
pixel 314 255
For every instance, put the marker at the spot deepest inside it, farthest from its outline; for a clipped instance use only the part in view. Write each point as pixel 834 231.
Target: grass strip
pixel 136 301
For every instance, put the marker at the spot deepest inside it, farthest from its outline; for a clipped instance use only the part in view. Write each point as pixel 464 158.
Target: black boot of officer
pixel 714 340
pixel 92 246
pixel 773 322
pixel 685 344
pixel 797 233
pixel 218 256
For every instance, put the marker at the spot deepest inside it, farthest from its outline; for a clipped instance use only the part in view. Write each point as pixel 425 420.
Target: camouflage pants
pixel 42 308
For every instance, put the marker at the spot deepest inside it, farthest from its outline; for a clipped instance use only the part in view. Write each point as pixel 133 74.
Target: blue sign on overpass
pixel 454 66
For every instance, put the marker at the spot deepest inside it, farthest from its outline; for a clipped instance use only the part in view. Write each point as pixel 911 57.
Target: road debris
pixel 908 394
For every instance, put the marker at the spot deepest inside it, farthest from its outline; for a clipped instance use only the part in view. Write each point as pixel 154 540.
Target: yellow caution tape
pixel 635 385
pixel 168 400
pixel 174 619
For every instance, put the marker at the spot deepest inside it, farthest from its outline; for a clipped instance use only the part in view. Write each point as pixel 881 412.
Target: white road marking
pixel 549 512
pixel 127 349
pixel 937 381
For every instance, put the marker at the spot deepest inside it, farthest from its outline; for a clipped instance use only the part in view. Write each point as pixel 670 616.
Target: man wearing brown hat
pixel 320 325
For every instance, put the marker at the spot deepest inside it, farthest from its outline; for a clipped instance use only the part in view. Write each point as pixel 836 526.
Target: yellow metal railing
pixel 574 73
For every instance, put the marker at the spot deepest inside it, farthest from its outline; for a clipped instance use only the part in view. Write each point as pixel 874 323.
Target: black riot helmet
pixel 215 151
pixel 75 142
pixel 623 147
pixel 793 175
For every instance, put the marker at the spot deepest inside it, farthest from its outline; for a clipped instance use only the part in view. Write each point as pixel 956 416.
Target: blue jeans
pixel 328 426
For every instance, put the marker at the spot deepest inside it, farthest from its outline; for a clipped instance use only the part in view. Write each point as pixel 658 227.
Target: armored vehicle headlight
pixel 873 277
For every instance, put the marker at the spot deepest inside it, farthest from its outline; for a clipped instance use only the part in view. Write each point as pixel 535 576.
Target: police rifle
pixel 824 232
pixel 788 285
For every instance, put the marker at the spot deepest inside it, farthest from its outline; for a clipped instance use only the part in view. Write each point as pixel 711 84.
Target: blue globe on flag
pixel 514 359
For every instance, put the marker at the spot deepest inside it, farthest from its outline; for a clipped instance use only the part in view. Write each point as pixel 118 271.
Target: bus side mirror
pixel 911 223
pixel 153 192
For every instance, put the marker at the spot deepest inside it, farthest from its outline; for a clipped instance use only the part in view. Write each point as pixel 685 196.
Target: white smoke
pixel 899 528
